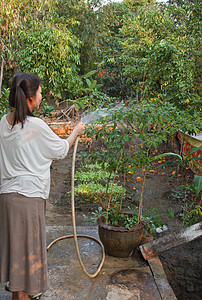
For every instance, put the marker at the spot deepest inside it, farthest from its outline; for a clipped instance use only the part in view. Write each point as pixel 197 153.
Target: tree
pixel 161 53
pixel 52 54
pixel 111 64
pixel 82 17
pixel 13 14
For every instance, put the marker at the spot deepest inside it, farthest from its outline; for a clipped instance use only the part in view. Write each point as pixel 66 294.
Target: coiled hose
pixel 74 225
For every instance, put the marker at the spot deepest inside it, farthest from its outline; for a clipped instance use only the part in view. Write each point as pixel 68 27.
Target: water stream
pixel 89 118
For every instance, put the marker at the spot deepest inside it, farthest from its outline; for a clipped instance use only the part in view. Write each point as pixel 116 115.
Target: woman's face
pixel 35 100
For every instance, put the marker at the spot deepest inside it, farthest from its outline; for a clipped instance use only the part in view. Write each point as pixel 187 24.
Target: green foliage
pixel 96 175
pixel 150 123
pixel 83 17
pixel 153 220
pixel 111 67
pixel 52 54
pixel 93 100
pixel 4 105
pixel 94 183
pixel 197 184
pixel 95 192
pixel 183 162
pixel 45 110
pixel 130 134
pixel 190 198
pixel 161 50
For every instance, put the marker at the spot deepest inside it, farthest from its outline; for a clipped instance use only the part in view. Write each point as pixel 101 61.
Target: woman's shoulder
pixel 37 121
pixel 39 124
pixel 3 119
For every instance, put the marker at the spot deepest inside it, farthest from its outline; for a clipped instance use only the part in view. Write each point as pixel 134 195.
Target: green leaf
pixel 167 154
pixel 198 184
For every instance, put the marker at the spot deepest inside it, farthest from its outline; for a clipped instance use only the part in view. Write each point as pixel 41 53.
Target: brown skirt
pixel 23 254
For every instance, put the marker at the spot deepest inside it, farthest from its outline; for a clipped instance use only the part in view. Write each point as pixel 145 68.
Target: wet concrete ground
pixel 119 279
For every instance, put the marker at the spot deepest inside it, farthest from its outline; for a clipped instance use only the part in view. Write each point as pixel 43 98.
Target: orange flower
pixel 173 173
pixel 179 175
pixel 143 170
pixel 134 189
pixel 100 74
pixel 129 172
pixel 160 161
pixel 187 168
pixel 138 178
pixel 132 146
pixel 162 173
pixel 151 171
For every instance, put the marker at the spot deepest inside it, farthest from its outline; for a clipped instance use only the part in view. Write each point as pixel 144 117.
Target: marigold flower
pixel 138 178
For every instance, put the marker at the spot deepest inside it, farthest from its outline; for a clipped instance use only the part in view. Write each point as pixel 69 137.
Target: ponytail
pixel 21 107
pixel 23 87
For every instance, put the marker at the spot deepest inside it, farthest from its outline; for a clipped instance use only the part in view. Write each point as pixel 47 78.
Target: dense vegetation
pixel 132 50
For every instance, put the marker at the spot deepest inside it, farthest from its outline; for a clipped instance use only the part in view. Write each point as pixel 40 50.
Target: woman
pixel 27 148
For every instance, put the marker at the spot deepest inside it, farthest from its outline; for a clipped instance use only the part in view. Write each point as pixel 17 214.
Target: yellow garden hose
pixel 74 225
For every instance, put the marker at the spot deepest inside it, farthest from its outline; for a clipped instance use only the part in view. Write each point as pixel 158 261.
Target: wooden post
pixel 160 278
pixel 155 247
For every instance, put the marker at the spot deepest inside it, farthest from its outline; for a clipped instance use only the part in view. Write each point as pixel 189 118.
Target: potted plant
pixel 128 138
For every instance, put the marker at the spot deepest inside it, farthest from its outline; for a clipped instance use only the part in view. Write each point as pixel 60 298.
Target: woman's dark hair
pixel 23 86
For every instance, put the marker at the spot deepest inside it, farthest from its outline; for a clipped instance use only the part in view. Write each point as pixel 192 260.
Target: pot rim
pixel 119 228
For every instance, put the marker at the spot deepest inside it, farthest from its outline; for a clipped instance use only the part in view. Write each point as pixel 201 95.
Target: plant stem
pixel 107 186
pixel 109 201
pixel 141 198
pixel 124 181
pixel 185 193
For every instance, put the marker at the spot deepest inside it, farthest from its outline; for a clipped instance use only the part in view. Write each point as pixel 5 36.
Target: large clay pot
pixel 119 241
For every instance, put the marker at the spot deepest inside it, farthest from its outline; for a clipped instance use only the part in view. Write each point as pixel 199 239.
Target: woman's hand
pixel 79 129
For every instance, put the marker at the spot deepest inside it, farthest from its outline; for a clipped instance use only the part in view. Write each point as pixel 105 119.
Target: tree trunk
pixel 1 74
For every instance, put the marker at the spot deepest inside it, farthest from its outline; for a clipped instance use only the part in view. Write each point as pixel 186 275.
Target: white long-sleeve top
pixel 26 155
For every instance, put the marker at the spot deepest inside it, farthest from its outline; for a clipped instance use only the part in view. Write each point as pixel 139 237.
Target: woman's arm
pixel 79 129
